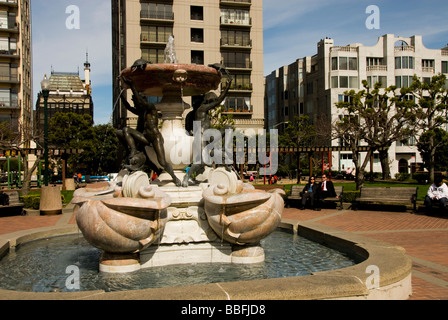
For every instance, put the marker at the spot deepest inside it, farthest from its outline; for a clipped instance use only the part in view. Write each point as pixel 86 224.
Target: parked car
pixel 93 179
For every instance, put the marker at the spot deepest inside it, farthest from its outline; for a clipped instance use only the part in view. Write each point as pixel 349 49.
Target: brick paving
pixel 425 238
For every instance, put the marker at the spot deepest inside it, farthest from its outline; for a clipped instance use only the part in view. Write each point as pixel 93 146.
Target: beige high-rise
pixel 206 32
pixel 15 64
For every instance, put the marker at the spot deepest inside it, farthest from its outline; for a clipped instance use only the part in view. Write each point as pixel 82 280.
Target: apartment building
pixel 15 64
pixel 205 32
pixel 68 93
pixel 313 85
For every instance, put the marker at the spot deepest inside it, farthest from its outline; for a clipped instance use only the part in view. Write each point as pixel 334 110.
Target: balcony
pixel 247 65
pixel 233 45
pixel 404 48
pixel 14 79
pixel 445 52
pixel 8 104
pixel 343 49
pixel 377 68
pixel 428 69
pixel 157 16
pixel 240 3
pixel 225 21
pixel 144 39
pixel 238 111
pixel 241 87
pixel 9 3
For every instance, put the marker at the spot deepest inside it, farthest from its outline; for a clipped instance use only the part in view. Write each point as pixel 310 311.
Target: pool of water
pixel 41 266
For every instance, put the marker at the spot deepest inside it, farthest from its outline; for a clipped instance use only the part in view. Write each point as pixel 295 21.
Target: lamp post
pixel 45 84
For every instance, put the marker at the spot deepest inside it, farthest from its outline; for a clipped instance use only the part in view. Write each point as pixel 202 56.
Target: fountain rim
pixel 157 78
pixel 345 283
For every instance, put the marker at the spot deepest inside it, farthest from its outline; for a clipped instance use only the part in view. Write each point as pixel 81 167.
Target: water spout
pixel 170 51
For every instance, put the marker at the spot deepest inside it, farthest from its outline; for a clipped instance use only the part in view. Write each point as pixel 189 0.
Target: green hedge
pixel 32 201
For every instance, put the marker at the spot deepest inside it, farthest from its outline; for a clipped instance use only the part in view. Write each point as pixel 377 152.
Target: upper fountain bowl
pixel 156 79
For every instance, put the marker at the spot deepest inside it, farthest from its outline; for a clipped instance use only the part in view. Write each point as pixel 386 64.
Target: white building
pixel 325 77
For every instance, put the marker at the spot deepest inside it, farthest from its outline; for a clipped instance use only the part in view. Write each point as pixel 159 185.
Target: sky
pixel 292 29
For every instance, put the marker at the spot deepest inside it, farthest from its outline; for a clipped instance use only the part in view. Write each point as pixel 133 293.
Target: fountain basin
pixel 346 283
pixel 157 79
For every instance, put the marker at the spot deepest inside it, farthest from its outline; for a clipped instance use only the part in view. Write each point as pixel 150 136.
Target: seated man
pixel 326 190
pixel 309 192
pixel 437 193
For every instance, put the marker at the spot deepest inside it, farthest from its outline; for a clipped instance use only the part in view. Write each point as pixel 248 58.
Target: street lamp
pixel 45 84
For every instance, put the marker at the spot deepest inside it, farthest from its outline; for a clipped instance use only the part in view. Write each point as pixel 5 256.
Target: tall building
pixel 68 93
pixel 313 85
pixel 15 64
pixel 206 32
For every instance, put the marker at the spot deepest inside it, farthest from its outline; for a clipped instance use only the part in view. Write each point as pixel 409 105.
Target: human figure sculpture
pixel 210 102
pixel 149 120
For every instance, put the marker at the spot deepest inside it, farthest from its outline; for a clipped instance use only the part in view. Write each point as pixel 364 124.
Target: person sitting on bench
pixel 326 190
pixel 309 192
pixel 437 193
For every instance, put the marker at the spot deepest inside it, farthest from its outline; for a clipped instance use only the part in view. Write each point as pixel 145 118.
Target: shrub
pixel 349 196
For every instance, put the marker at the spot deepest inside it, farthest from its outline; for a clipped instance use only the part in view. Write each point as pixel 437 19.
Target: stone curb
pixel 391 262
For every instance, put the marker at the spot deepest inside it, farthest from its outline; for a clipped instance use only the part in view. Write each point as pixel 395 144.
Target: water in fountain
pixel 40 266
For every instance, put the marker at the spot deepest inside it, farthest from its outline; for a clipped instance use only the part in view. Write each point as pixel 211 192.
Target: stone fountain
pixel 139 223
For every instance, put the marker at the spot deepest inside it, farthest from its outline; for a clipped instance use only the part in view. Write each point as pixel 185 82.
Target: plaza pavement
pixel 425 238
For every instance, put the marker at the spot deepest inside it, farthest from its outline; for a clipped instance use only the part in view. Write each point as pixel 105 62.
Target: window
pixel 372 80
pixel 154 55
pixel 238 38
pixel 343 82
pixel 335 82
pixel 197 57
pixel 197 35
pixel 343 63
pixel 353 82
pixel 404 62
pixel 236 59
pixel 403 81
pixel 353 64
pixel 157 11
pixel 444 66
pixel 197 13
pixel 156 33
pixel 3 20
pixel 334 63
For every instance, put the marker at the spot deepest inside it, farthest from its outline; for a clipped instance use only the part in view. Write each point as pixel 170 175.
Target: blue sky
pixel 292 29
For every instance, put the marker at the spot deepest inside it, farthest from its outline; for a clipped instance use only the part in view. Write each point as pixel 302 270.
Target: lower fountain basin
pixel 40 266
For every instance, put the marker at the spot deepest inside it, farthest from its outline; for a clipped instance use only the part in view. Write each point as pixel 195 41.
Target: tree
pixel 298 133
pixel 441 153
pixel 377 118
pixel 19 142
pixel 431 110
pixel 105 154
pixel 73 131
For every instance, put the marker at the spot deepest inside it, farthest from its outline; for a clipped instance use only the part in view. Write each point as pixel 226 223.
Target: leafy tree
pixel 104 158
pixel 19 142
pixel 441 153
pixel 431 110
pixel 298 133
pixel 377 118
pixel 73 131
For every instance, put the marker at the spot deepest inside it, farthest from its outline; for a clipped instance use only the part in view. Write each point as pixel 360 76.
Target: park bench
pixel 296 195
pixel 387 196
pixel 12 205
